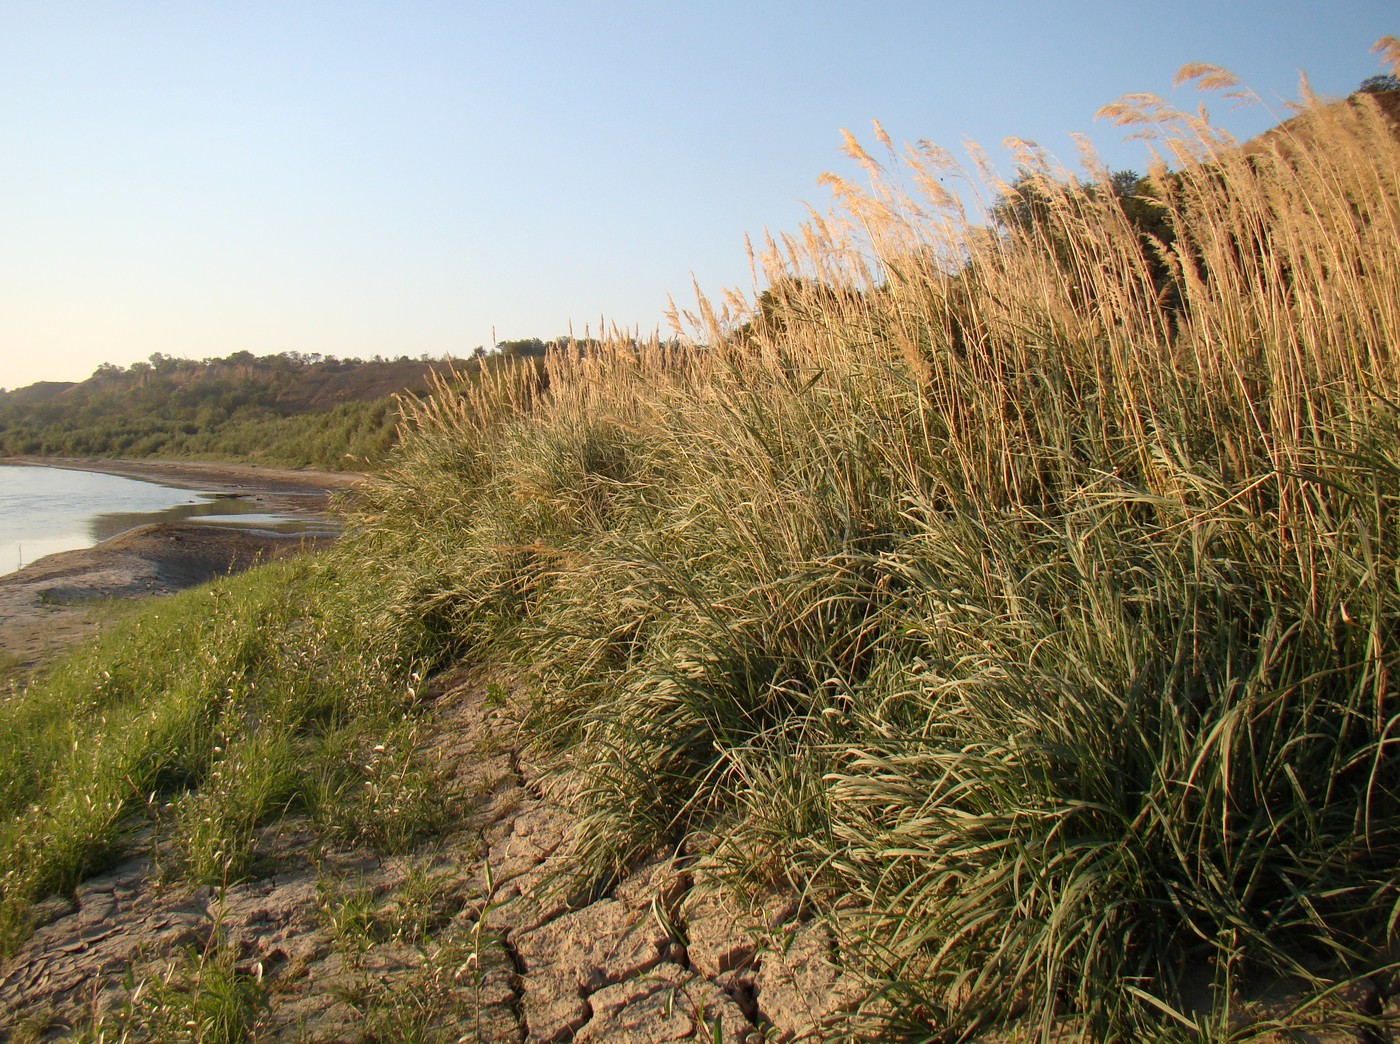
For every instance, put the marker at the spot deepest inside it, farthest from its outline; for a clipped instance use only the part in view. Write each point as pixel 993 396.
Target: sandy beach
pixel 56 601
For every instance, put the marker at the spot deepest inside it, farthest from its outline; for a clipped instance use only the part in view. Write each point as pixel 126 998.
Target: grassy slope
pixel 1038 593
pixel 1033 616
pixel 229 705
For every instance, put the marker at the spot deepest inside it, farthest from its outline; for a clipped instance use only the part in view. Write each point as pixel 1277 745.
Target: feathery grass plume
pixel 1022 592
pixel 1388 47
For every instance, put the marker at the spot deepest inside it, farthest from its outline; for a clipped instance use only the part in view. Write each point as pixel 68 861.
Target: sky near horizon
pixel 413 178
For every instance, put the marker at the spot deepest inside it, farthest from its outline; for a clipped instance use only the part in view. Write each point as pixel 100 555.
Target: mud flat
pixel 284 490
pixel 59 600
pixel 506 944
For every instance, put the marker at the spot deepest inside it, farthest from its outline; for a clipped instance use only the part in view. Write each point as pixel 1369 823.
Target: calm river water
pixel 46 510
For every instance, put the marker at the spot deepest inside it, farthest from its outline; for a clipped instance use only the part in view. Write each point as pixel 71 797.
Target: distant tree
pixel 1028 203
pixel 1028 207
pixel 1380 84
pixel 791 301
pixel 1024 205
pixel 1136 198
pixel 243 362
pixel 530 347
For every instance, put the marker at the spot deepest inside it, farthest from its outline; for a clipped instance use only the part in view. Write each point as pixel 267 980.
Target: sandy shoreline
pixel 57 601
pixel 293 490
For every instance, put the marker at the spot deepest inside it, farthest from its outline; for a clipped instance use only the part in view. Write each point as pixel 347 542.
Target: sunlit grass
pixel 197 996
pixel 1026 597
pixel 217 710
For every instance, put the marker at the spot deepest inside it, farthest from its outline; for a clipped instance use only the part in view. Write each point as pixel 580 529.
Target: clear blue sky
pixel 207 176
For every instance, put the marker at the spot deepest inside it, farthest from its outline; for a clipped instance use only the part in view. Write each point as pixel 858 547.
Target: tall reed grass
pixel 1027 596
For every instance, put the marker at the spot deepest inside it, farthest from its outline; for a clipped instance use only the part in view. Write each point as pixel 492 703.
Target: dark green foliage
pixel 526 348
pixel 1381 84
pixel 1027 210
pixel 535 348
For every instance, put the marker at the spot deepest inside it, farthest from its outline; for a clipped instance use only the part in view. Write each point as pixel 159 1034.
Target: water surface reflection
pixel 47 510
pixel 211 507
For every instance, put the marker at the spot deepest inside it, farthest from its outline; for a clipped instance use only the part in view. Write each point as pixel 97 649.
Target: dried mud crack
pixel 469 937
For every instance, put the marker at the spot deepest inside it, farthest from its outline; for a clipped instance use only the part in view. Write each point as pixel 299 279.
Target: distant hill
pixel 288 409
pixel 41 392
pixel 287 383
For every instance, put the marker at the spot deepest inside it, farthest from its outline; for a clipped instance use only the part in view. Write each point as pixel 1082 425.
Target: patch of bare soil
pixel 475 936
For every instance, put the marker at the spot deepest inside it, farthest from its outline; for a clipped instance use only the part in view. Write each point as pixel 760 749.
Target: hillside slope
pixel 284 409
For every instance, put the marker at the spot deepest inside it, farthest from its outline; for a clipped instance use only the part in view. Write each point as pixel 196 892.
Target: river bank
pixel 283 490
pixel 52 603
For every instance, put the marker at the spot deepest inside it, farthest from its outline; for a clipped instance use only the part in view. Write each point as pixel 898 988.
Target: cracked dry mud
pixel 464 938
